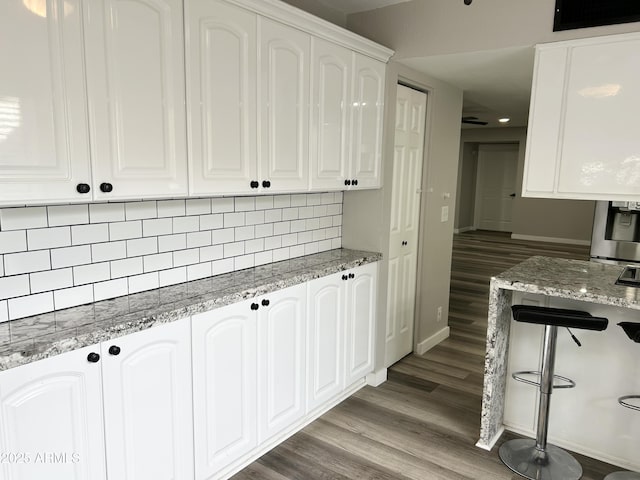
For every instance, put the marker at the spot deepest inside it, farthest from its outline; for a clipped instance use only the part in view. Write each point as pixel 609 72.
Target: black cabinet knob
pixel 106 187
pixel 404 242
pixel 354 182
pixel 254 184
pixel 93 357
pixel 351 275
pixel 347 182
pixel 254 306
pixel 114 350
pixel 83 188
pixel 266 183
pixel 265 303
pixel 344 277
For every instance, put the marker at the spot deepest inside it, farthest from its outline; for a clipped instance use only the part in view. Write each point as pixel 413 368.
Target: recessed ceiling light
pixel 504 120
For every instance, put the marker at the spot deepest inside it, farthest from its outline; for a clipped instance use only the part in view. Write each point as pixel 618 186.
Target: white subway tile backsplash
pixel 215 252
pixel 186 224
pixel 110 289
pixel 142 283
pixel 125 230
pixel 106 212
pixel 222 205
pixel 245 204
pixel 233 249
pixel 198 206
pixel 102 252
pixel 96 272
pixel 32 305
pixel 186 257
pixel 160 261
pixel 245 233
pixel 171 208
pixel 27 262
pixel 13 241
pixel 41 238
pixel 4 311
pixel 62 215
pixel 126 267
pixel 72 297
pixel 233 219
pixel 71 256
pixel 141 210
pixel 51 280
pixel 142 246
pixel 169 243
pixel 66 255
pixel 23 218
pixel 14 286
pixel 85 234
pixel 172 276
pixel 157 226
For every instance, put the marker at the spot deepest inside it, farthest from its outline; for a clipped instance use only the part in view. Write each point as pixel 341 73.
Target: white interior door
pixel 405 214
pixel 496 186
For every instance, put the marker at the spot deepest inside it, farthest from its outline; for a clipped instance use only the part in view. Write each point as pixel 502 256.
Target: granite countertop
pixel 574 279
pixel 34 338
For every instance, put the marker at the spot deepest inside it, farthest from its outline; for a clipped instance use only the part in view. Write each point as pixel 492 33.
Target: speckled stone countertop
pixel 42 336
pixel 554 277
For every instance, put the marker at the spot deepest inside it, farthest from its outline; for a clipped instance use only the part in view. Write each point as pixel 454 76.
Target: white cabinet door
pixel 361 315
pixel 284 107
pixel 135 74
pixel 221 65
pixel 44 149
pixel 368 112
pixel 330 115
pixel 281 355
pixel 224 386
pixel 147 404
pixel 53 406
pixel 325 339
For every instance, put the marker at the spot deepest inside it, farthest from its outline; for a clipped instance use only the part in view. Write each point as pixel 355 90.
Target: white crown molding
pixel 296 18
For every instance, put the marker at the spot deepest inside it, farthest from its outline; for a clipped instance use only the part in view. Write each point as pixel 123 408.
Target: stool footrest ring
pixel 623 401
pixel 517 376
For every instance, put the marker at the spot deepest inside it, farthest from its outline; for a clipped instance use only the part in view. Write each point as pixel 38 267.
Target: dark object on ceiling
pixel 473 121
pixel 468 2
pixel 572 14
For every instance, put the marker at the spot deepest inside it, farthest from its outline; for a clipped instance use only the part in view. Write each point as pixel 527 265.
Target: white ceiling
pixel 353 6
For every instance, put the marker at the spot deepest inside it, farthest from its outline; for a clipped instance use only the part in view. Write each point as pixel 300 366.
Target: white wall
pixel 366 214
pixel 321 10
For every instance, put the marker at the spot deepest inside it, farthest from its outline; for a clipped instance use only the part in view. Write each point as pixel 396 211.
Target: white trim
pixel 375 379
pixel 428 343
pixel 488 446
pixel 470 228
pixel 536 238
pixel 296 18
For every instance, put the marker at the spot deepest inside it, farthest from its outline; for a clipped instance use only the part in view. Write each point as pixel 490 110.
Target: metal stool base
pixel 623 476
pixel 522 456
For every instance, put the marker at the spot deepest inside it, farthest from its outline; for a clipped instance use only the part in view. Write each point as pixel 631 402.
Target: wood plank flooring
pixel 424 421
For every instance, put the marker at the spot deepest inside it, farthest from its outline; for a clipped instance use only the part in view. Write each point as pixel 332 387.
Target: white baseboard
pixel 428 343
pixel 464 229
pixel 536 238
pixel 492 442
pixel 376 379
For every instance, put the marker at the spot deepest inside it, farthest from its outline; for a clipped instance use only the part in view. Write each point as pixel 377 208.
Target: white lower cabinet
pixel 64 411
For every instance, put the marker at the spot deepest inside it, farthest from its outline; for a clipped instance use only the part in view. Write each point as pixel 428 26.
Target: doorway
pixel 408 156
pixel 495 186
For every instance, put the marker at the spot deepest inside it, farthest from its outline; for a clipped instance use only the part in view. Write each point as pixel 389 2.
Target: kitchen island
pixel 605 358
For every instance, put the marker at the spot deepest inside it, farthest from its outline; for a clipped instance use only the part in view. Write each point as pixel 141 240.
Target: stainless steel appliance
pixel 616 232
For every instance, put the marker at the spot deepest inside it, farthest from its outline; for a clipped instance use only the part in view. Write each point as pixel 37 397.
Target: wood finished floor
pixel 424 421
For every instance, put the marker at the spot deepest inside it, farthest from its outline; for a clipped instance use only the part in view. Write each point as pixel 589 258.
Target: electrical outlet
pixel 439 314
pixel 444 216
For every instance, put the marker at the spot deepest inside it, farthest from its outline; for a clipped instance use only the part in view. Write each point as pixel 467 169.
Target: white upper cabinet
pixel 135 75
pixel 331 74
pixel 283 96
pixel 222 88
pixel 368 112
pixel 582 141
pixel 44 143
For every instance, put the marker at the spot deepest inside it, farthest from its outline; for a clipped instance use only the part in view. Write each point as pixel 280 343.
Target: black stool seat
pixel 560 317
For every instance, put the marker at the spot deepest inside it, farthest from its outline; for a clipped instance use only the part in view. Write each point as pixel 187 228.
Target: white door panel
pixel 361 308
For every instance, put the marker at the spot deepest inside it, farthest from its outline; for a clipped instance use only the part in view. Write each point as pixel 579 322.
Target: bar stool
pixel 535 459
pixel 632 329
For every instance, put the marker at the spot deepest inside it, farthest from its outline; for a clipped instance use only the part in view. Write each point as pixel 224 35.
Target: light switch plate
pixel 444 216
